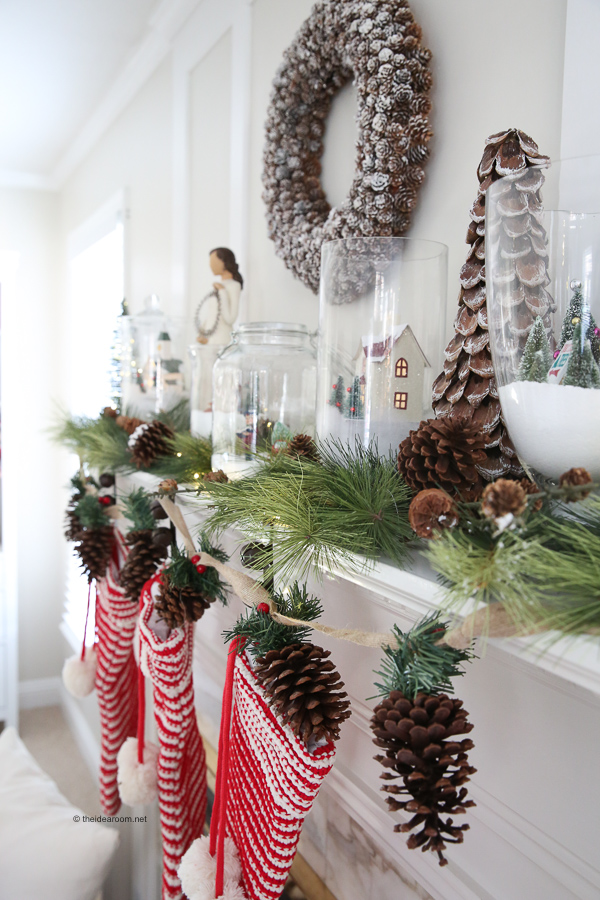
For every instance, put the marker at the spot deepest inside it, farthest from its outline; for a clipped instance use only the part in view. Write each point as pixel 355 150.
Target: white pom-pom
pixel 79 675
pixel 198 869
pixel 138 782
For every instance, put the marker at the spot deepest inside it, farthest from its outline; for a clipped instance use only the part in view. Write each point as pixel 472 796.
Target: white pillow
pixel 43 852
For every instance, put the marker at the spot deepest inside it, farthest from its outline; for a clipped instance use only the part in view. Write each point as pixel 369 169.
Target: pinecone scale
pixel 305 689
pixel 177 605
pixel 141 563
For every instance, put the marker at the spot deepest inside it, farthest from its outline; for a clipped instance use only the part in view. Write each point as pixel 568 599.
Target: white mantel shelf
pixel 534 831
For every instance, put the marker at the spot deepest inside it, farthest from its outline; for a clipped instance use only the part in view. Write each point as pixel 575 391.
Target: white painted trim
pixel 87 743
pixel 70 637
pixel 211 20
pixel 13 178
pixel 164 25
pixel 38 692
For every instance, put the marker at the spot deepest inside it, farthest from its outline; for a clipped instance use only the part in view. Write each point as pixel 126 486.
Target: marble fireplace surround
pixel 534 830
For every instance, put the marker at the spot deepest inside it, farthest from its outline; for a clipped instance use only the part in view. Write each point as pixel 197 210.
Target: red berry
pixel 263 607
pixel 201 569
pixel 105 501
pixel 195 559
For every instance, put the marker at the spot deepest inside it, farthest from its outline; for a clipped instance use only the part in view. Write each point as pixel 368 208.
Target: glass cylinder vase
pixel 264 387
pixel 381 330
pixel 543 296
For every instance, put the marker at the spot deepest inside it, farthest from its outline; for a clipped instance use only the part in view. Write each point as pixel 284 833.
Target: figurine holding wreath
pixel 218 310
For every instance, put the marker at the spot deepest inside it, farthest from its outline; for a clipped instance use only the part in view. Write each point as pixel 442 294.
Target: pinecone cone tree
pixel 141 563
pixel 466 389
pixel 304 690
pixel 149 441
pixel 446 454
pixel 416 726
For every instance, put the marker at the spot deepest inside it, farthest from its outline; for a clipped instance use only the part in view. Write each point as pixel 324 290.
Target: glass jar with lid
pixel 264 389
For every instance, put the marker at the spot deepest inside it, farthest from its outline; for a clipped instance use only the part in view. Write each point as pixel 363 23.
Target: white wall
pixel 32 488
pixel 491 71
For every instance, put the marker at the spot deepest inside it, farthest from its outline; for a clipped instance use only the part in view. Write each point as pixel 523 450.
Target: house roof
pixel 378 349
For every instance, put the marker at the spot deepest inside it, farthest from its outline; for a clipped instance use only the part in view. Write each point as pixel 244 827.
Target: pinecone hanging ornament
pixel 416 725
pixel 446 454
pixel 305 690
pixel 140 565
pixel 187 588
pixel 149 441
pixel 466 389
pixel 94 548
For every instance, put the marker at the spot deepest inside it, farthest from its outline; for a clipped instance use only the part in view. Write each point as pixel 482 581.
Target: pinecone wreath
pixel 149 441
pixel 466 389
pixel 188 588
pixel 302 684
pixel 416 726
pixel 305 690
pixel 446 454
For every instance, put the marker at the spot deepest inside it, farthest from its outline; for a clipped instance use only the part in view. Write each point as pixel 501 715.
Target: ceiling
pixel 58 59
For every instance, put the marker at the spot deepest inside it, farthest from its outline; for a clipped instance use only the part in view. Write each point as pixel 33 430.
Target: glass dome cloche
pixel 543 284
pixel 152 360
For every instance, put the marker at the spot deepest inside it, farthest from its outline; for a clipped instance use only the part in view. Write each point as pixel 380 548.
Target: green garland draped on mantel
pixel 351 508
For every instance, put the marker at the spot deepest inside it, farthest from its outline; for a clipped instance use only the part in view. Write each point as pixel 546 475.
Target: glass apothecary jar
pixel 543 297
pixel 264 387
pixel 381 330
pixel 152 360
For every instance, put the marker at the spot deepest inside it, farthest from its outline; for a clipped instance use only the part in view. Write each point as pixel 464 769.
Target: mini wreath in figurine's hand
pixel 208 332
pixel 377 43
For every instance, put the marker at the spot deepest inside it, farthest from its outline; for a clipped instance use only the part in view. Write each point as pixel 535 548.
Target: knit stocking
pixel 116 678
pixel 273 781
pixel 181 760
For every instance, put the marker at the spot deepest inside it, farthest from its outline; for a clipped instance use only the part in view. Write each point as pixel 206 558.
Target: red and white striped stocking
pixel 273 783
pixel 181 760
pixel 116 675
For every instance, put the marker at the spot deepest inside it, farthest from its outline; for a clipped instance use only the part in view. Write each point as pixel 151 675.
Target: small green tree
pixel 537 356
pixel 582 370
pixel 338 394
pixel 579 311
pixel 355 408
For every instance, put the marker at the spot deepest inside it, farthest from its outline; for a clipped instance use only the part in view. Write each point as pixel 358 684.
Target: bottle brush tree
pixel 537 356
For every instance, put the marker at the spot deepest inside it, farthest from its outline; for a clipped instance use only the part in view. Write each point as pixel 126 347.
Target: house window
pixel 400 400
pixel 401 368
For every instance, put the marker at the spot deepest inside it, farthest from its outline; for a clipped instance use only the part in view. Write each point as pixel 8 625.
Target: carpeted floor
pixel 46 735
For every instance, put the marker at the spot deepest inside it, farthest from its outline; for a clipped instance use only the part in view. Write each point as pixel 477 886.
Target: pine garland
pixel 263 633
pixel 353 503
pixel 182 573
pixel 91 513
pixel 420 663
pixel 138 509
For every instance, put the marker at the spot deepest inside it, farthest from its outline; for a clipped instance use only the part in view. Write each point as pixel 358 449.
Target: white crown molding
pixel 13 178
pixel 163 26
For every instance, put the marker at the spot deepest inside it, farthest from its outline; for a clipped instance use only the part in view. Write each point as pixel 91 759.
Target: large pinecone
pixel 304 690
pixel 303 446
pixel 418 740
pixel 444 453
pixel 94 548
pixel 177 605
pixel 467 389
pixel 149 441
pixel 73 526
pixel 141 563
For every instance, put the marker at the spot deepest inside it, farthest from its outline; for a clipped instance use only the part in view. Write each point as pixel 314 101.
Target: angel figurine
pixel 218 311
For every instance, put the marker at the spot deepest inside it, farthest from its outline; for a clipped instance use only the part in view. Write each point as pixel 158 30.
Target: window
pixel 96 272
pixel 400 400
pixel 401 368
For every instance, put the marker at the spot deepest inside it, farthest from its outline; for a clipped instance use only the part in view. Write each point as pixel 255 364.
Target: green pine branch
pixel 263 633
pixel 183 573
pixel 137 508
pixel 352 504
pixel 191 459
pixel 420 664
pixel 91 513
